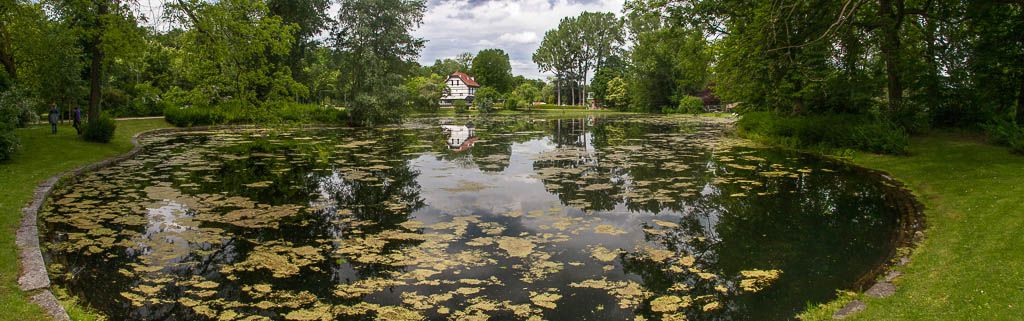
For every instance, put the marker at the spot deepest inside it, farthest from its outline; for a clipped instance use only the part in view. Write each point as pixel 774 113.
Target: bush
pixel 690 105
pixel 485 98
pixel 100 130
pixel 512 103
pixel 485 105
pixel 1007 133
pixel 8 142
pixel 687 105
pixel 236 113
pixel 17 108
pixel 861 132
pixel 460 106
pixel 553 106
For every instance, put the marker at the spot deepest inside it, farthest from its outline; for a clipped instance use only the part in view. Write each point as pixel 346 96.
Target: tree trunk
pixel 1020 104
pixel 558 89
pixel 6 56
pixel 572 93
pixel 890 53
pixel 96 65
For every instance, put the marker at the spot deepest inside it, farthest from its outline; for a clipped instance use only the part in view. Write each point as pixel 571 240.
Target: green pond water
pixel 587 218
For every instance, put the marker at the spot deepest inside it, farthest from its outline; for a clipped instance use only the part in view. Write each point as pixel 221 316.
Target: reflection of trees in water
pixel 384 196
pixel 602 164
pixel 821 231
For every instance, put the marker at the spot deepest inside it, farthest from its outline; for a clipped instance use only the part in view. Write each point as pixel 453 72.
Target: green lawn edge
pixel 42 156
pixel 970 265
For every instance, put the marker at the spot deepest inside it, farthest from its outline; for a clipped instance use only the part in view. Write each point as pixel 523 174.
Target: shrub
pixel 485 105
pixel 100 129
pixel 690 105
pixel 460 106
pixel 1007 133
pixel 271 112
pixel 8 142
pixel 687 105
pixel 553 106
pixel 861 132
pixel 512 103
pixel 485 98
pixel 17 108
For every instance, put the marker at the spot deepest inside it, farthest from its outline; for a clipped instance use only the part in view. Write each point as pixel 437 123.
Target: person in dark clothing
pixel 76 117
pixel 54 117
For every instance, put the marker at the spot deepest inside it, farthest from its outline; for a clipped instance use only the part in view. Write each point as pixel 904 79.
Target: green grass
pixel 970 265
pixel 42 156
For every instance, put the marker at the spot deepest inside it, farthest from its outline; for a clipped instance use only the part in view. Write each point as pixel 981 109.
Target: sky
pixel 516 26
pixel 452 27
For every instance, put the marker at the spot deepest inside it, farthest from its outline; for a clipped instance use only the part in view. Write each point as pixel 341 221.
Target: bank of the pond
pixel 969 266
pixel 42 156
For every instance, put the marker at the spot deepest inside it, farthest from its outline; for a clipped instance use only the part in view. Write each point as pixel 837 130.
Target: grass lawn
pixel 970 265
pixel 43 155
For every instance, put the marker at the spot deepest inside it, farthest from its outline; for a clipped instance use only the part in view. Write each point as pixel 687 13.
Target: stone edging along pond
pixel 909 233
pixel 34 278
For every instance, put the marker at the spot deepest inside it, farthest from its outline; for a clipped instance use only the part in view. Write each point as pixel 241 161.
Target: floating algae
pixel 541 219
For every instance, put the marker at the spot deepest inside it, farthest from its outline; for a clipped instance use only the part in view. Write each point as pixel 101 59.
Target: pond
pixel 508 218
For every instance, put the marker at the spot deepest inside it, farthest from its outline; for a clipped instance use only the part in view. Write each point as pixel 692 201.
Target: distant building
pixel 459 86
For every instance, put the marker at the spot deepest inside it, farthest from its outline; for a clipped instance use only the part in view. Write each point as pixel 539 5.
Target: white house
pixel 459 86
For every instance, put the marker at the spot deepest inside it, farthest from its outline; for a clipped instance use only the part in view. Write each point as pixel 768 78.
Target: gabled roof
pixel 465 79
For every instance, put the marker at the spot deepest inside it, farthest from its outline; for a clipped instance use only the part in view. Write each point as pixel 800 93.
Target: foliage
pixel 617 96
pixel 577 47
pixel 485 99
pixel 377 50
pixel 526 92
pixel 238 113
pixel 599 85
pixel 687 105
pixel 513 103
pixel 447 66
pixel 9 143
pixel 18 108
pixel 829 131
pixel 234 50
pixel 1007 133
pixel 667 64
pixel 100 129
pixel 492 68
pixel 460 106
pixel 424 92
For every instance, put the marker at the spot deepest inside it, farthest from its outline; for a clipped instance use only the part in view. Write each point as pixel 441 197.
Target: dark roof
pixel 466 79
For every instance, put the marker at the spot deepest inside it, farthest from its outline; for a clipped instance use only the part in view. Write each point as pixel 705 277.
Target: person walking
pixel 76 117
pixel 54 117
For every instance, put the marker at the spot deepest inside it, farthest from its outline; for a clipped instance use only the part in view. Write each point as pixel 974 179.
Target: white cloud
pixel 519 37
pixel 516 26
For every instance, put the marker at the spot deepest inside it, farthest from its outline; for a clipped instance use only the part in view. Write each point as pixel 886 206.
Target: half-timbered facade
pixel 459 86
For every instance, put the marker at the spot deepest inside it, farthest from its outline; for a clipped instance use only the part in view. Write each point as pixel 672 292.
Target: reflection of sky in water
pixel 807 227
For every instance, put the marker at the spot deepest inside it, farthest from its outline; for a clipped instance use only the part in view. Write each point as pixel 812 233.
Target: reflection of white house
pixel 460 138
pixel 459 86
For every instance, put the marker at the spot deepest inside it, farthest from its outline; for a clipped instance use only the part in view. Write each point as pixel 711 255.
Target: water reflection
pixel 511 218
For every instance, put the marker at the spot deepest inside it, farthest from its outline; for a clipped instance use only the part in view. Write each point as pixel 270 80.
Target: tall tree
pixel 310 17
pixel 492 68
pixel 108 30
pixel 234 50
pixel 377 49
